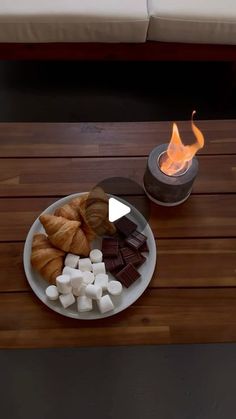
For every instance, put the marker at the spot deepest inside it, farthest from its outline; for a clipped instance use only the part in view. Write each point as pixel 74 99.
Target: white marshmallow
pixel 76 278
pixel 67 300
pixel 99 268
pixel 105 304
pixel 102 281
pixel 88 278
pixel 71 260
pixel 76 292
pixel 69 271
pixel 63 284
pixel 96 256
pixel 52 292
pixel 84 304
pixel 83 289
pixel 79 291
pixel 114 287
pixel 85 265
pixel 93 291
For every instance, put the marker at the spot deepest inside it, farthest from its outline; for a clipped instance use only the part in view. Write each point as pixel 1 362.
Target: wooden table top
pixel 192 296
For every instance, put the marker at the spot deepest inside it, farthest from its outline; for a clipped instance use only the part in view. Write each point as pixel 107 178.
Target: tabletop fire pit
pixel 172 169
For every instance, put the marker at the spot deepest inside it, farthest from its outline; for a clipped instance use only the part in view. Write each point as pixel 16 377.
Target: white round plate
pixel 128 296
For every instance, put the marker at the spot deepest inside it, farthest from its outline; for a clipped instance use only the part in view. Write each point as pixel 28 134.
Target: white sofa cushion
pixel 196 21
pixel 73 20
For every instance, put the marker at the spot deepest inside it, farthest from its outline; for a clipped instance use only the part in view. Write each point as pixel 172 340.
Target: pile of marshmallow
pixel 85 279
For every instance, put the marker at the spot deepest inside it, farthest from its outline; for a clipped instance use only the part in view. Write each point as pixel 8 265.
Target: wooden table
pixel 192 296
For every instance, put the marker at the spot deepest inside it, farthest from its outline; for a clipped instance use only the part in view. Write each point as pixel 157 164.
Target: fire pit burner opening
pixel 181 172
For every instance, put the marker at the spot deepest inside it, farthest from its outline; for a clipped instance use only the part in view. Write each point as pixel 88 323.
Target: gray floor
pixel 164 382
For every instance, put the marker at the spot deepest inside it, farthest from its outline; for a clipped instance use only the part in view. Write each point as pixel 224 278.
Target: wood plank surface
pixel 199 216
pixel 192 295
pixel 45 177
pixel 159 316
pixel 108 139
pixel 180 263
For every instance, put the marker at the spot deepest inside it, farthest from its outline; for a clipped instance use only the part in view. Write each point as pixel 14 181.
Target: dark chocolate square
pixel 128 275
pixel 141 261
pixel 125 226
pixel 110 247
pixel 114 263
pixel 144 248
pixel 136 240
pixel 131 256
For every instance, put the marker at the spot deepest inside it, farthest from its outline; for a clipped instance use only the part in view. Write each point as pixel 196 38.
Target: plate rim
pixel 59 309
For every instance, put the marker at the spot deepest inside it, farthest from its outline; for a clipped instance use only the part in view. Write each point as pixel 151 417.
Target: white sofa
pixel 118 21
pixel 193 21
pixel 118 29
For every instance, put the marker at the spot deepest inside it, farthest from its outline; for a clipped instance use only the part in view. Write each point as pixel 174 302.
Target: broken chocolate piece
pixel 128 275
pixel 114 263
pixel 110 247
pixel 142 260
pixel 144 248
pixel 131 256
pixel 136 240
pixel 125 226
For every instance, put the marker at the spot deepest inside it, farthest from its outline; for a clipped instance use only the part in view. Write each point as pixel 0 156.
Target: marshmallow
pixel 82 290
pixel 76 292
pixel 63 284
pixel 71 260
pixel 99 268
pixel 105 304
pixel 95 256
pixel 52 292
pixel 79 290
pixel 85 265
pixel 67 299
pixel 101 280
pixel 114 287
pixel 84 304
pixel 88 277
pixel 93 291
pixel 76 278
pixel 69 271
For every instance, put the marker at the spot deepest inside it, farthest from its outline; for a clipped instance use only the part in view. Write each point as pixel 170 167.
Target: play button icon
pixel 117 209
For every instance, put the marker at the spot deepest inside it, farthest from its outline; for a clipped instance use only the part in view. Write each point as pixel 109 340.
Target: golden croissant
pixel 93 209
pixel 71 211
pixel 46 259
pixel 65 234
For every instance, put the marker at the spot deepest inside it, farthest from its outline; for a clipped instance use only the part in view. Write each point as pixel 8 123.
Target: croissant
pixel 93 208
pixel 46 259
pixel 67 211
pixel 65 234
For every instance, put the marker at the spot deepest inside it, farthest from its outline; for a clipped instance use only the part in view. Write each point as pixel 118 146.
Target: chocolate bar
pixel 110 247
pixel 142 260
pixel 131 256
pixel 136 240
pixel 114 263
pixel 144 248
pixel 125 226
pixel 128 275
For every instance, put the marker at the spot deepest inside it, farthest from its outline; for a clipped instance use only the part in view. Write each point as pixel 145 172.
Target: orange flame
pixel 179 156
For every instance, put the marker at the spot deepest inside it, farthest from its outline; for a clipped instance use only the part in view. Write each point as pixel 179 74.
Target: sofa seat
pixel 40 21
pixel 199 21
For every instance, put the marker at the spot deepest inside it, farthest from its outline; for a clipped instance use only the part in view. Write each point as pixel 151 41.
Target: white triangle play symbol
pixel 117 210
